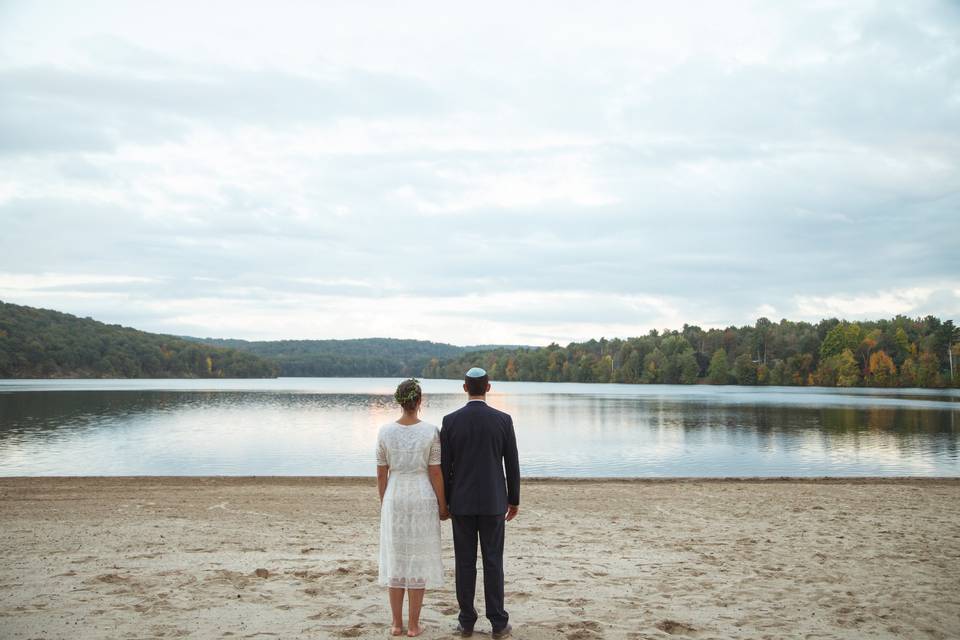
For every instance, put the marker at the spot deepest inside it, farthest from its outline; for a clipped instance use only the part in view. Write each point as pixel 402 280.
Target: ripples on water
pixel 328 427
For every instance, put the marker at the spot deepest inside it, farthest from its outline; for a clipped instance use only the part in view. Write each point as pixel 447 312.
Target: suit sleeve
pixel 446 459
pixel 511 463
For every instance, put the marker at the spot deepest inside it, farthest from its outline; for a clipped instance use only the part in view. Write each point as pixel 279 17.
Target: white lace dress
pixel 409 517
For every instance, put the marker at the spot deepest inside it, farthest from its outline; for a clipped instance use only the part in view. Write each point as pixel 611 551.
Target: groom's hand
pixel 512 511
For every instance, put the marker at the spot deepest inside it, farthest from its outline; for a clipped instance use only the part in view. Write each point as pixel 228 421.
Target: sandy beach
pixel 296 557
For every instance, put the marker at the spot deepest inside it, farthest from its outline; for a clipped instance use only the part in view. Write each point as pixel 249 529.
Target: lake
pixel 328 426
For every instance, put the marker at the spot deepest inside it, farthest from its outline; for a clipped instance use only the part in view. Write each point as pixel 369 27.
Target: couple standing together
pixel 467 472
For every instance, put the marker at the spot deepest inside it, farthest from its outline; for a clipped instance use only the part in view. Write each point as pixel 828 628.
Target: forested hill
pixel 386 357
pixel 40 343
pixel 901 352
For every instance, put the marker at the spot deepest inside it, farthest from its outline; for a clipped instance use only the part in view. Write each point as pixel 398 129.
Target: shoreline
pixel 350 480
pixel 700 383
pixel 296 556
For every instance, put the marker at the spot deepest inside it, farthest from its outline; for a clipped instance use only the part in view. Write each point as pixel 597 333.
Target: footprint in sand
pixel 351 632
pixel 308 575
pixel 583 630
pixel 675 628
pixel 330 612
pixel 112 578
pixel 234 579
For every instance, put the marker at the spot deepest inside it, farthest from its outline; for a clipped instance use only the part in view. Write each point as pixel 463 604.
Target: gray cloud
pixel 582 189
pixel 97 110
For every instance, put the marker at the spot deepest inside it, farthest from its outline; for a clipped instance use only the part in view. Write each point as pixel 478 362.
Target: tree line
pixel 40 343
pixel 900 352
pixel 361 357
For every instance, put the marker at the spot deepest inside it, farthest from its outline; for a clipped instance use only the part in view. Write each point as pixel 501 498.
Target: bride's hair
pixel 408 394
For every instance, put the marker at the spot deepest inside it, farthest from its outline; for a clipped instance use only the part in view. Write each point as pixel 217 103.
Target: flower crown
pixel 412 393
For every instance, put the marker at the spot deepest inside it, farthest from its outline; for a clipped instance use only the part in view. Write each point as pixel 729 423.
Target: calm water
pixel 327 426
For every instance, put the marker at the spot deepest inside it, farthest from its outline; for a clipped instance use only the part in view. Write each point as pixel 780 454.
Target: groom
pixel 477 444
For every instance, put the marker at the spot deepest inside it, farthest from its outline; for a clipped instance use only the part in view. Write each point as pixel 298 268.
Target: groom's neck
pixel 469 398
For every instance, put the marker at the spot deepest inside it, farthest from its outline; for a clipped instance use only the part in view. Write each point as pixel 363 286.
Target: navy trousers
pixel 467 530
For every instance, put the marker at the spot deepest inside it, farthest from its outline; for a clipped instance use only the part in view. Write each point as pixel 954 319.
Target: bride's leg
pixel 396 609
pixel 416 601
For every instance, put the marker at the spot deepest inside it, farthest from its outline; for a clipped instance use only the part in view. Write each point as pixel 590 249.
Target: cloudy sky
pixel 479 172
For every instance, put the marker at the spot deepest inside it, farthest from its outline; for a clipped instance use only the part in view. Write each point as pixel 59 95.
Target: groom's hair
pixel 476 386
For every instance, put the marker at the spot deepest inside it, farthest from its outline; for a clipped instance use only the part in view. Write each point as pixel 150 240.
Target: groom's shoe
pixel 464 633
pixel 503 633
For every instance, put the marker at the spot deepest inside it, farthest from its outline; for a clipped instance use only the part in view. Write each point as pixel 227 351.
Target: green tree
pixel 843 336
pixel 653 366
pixel 603 369
pixel 689 369
pixel 903 344
pixel 632 368
pixel 745 370
pixel 928 370
pixel 848 371
pixel 718 372
pixel 778 374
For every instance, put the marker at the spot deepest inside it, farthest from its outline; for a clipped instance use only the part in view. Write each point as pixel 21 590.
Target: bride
pixel 412 505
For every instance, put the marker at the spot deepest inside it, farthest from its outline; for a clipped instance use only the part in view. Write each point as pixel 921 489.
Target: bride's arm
pixel 436 479
pixel 382 473
pixel 435 469
pixel 383 465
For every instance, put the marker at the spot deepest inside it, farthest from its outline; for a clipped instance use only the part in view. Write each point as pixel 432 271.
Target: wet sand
pixel 296 557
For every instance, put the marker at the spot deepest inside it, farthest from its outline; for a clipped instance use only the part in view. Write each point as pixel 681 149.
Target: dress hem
pixel 427 585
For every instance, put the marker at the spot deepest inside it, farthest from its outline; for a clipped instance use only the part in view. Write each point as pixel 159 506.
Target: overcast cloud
pixel 511 173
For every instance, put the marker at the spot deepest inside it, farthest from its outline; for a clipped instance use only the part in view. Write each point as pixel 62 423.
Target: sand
pixel 296 558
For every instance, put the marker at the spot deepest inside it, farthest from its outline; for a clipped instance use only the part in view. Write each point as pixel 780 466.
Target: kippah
pixel 476 372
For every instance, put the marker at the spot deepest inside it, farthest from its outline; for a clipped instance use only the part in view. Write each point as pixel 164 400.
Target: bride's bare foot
pixel 414 631
pixel 396 631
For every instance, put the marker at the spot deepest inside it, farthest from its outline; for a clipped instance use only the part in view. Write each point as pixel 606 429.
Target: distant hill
pixel 374 357
pixel 40 343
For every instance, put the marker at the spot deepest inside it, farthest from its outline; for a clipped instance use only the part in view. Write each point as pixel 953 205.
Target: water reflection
pixel 328 427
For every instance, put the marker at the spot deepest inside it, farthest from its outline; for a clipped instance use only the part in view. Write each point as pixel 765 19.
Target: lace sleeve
pixel 382 460
pixel 435 449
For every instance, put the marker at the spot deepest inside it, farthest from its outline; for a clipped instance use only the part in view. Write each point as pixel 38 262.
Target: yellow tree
pixel 848 373
pixel 867 345
pixel 908 373
pixel 511 370
pixel 882 371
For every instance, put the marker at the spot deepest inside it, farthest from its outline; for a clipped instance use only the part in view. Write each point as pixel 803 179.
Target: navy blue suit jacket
pixel 477 446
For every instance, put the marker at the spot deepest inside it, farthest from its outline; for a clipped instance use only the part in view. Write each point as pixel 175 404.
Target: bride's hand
pixel 444 514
